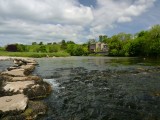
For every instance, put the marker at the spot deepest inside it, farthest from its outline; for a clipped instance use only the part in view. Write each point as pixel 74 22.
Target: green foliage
pixel 147 43
pixel 34 43
pixel 11 48
pixel 53 48
pixel 63 45
pixel 42 49
pixel 114 52
pixel 41 43
pixel 103 38
pixel 2 49
pixel 91 41
pixel 21 48
pixel 77 50
pixel 70 42
pixel 115 45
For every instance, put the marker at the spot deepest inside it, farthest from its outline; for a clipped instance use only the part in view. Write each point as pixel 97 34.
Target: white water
pixel 53 83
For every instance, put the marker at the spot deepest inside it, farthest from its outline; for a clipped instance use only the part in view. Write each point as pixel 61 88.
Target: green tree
pixel 103 38
pixel 11 48
pixel 2 49
pixel 34 43
pixel 53 48
pixel 63 45
pixel 21 48
pixel 41 43
pixel 70 42
pixel 42 49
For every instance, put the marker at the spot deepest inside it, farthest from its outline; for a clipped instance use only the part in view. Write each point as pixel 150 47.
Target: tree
pixel 49 43
pixel 91 41
pixel 34 43
pixel 54 48
pixel 70 42
pixel 77 50
pixel 155 32
pixel 103 38
pixel 54 43
pixel 41 43
pixel 42 49
pixel 21 48
pixel 2 49
pixel 11 48
pixel 63 45
pixel 115 45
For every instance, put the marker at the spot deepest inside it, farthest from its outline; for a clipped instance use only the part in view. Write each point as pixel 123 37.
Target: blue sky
pixel 77 20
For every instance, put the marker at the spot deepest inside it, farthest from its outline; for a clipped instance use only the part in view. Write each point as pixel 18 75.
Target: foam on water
pixel 53 82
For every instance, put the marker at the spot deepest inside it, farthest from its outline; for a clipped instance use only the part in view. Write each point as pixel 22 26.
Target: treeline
pixel 145 43
pixel 64 46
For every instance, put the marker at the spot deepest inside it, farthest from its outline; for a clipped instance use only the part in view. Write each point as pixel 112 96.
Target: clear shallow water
pixel 5 64
pixel 101 88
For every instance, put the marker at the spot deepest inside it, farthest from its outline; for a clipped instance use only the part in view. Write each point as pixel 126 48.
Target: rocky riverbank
pixel 20 91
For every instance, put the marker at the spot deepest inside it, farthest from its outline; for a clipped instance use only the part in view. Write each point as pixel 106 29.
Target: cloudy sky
pixel 27 21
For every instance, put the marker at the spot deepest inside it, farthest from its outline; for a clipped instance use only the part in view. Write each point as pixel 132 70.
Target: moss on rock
pixel 39 90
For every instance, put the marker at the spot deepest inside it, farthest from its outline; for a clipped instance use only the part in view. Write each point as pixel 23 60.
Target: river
pixel 101 88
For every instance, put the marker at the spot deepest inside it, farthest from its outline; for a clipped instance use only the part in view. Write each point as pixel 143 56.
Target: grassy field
pixel 34 54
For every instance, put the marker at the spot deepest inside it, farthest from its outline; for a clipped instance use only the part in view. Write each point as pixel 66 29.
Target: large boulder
pixel 15 102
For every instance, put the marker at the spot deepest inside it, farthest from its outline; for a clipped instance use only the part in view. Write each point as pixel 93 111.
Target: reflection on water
pixel 102 88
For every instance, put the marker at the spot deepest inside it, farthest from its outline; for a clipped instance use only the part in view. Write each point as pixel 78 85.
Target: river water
pixel 101 88
pixel 4 64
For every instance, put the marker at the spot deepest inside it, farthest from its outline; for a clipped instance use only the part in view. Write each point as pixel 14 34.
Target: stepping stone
pixel 27 78
pixel 18 86
pixel 16 102
pixel 16 73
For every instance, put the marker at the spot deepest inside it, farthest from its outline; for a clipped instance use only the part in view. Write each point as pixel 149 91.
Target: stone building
pixel 98 47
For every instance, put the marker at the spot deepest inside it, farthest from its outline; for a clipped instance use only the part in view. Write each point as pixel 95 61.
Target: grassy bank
pixel 33 54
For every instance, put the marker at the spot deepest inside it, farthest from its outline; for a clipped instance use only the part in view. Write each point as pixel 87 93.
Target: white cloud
pixel 124 19
pixel 53 20
pixel 110 12
pixel 52 11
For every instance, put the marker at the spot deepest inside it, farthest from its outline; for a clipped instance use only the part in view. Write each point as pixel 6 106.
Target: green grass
pixel 34 54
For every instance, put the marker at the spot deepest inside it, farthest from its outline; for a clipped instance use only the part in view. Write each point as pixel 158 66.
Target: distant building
pixel 98 47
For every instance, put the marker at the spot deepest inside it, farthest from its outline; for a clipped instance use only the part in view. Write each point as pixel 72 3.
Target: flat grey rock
pixel 15 102
pixel 18 86
pixel 16 73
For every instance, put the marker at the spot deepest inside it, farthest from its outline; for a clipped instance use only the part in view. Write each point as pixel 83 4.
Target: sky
pixel 48 21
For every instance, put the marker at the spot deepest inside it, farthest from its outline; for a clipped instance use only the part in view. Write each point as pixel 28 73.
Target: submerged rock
pixel 15 102
pixel 34 109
